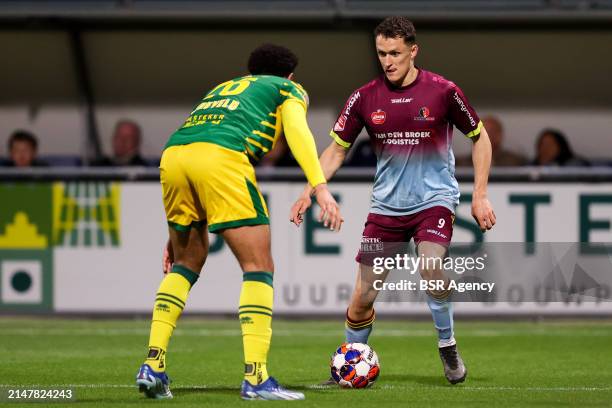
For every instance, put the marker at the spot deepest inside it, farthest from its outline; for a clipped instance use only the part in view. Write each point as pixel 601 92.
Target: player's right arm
pixel 331 160
pixel 302 145
pixel 345 131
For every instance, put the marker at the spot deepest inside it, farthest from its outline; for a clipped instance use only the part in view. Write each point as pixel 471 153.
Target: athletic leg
pixel 442 313
pixel 433 248
pixel 252 248
pixel 360 314
pixel 189 241
pixel 190 251
pixel 379 238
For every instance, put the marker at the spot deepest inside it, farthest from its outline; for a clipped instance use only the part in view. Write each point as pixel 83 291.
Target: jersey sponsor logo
pixel 351 102
pixel 408 134
pixel 464 108
pixel 424 114
pixel 402 100
pixel 438 233
pixel 378 117
pixel 227 103
pixel 340 123
pixel 371 245
pixel 402 138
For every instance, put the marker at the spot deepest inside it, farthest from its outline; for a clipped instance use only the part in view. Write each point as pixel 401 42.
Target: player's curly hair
pixel 397 26
pixel 271 59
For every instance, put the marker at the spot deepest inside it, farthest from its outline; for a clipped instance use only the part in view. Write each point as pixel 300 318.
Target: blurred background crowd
pixel 551 148
pixel 105 82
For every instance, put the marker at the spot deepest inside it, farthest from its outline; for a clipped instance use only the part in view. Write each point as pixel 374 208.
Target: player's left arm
pixel 465 118
pixel 482 210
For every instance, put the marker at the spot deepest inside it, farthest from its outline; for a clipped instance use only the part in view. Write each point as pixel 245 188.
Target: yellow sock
pixel 255 313
pixel 169 304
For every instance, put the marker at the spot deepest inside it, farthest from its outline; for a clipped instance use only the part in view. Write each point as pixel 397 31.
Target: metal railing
pixel 465 174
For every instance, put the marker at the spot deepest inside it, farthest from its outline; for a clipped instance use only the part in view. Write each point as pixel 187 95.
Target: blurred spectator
pixel 23 149
pixel 553 149
pixel 500 156
pixel 126 146
pixel 279 156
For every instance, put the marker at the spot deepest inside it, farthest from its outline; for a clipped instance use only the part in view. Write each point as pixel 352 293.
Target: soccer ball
pixel 354 365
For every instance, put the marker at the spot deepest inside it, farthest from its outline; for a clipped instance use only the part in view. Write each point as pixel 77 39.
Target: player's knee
pixel 439 290
pixel 193 263
pixel 361 303
pixel 430 273
pixel 262 263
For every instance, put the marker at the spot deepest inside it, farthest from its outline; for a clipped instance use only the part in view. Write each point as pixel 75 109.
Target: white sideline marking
pixel 314 387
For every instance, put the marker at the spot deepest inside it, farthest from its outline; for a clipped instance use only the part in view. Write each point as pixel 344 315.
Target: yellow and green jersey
pixel 242 114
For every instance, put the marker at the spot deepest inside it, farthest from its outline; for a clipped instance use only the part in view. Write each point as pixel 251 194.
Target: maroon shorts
pixel 434 224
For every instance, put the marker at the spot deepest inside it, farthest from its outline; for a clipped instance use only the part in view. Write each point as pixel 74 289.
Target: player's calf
pixel 359 330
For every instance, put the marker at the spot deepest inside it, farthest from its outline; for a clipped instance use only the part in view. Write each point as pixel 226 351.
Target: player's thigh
pixel 434 225
pixel 432 255
pixel 383 236
pixel 181 203
pixel 251 246
pixel 434 230
pixel 190 247
pixel 229 191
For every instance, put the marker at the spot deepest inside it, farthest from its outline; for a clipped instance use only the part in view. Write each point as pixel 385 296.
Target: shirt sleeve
pixel 294 92
pixel 349 122
pixel 300 140
pixel 462 114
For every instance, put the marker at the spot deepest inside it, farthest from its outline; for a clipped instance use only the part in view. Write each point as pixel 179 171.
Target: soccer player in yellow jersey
pixel 209 185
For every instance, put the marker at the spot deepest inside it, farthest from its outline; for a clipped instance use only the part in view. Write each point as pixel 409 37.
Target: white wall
pixel 60 129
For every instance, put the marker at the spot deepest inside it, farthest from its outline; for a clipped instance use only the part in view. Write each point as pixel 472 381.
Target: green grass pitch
pixel 555 363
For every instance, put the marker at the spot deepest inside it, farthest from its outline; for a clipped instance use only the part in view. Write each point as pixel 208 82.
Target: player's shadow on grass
pixel 177 391
pixel 432 380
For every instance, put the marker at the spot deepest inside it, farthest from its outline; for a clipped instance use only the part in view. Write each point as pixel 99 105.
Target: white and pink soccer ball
pixel 354 365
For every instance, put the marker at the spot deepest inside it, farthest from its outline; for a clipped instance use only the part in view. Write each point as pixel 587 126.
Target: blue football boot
pixel 153 384
pixel 268 390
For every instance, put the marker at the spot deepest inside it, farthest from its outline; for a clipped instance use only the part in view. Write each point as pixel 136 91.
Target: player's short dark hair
pixel 23 136
pixel 397 26
pixel 270 59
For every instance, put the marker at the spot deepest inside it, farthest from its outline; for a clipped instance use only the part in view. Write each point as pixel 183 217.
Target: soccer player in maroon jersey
pixel 409 114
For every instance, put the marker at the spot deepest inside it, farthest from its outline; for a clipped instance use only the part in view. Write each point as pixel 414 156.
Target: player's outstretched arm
pixel 482 211
pixel 330 211
pixel 331 160
pixel 302 145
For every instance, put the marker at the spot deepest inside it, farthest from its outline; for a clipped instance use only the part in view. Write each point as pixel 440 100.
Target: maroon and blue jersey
pixel 411 131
